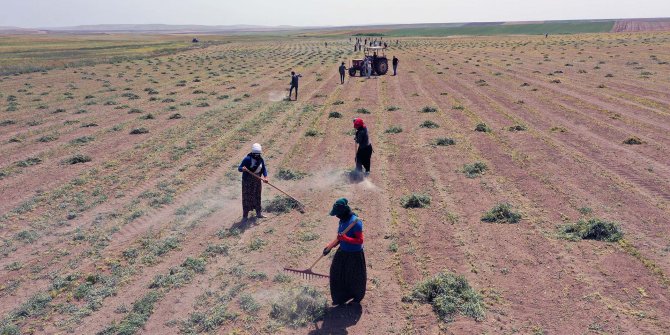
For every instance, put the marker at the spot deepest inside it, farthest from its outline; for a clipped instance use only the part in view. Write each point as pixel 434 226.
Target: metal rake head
pixel 307 274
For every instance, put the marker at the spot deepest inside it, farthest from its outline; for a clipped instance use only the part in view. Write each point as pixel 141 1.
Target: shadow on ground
pixel 338 319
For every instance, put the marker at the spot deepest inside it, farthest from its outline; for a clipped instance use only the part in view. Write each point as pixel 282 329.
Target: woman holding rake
pixel 253 163
pixel 348 275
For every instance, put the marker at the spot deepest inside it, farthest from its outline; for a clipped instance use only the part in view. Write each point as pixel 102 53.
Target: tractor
pixel 376 55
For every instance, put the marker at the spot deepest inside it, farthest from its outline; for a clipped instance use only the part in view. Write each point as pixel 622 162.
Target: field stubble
pixel 144 232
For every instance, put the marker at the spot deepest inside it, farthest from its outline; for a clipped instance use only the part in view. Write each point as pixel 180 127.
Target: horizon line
pixel 324 26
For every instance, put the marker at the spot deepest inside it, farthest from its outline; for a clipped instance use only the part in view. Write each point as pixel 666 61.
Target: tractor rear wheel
pixel 382 67
pixel 352 72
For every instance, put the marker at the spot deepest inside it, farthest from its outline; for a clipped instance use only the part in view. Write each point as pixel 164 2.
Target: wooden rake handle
pixel 275 187
pixel 334 243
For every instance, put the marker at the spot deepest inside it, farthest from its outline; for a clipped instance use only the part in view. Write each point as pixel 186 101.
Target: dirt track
pixel 179 183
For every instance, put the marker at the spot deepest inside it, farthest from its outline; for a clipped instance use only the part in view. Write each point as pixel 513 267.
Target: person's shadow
pixel 338 319
pixel 242 226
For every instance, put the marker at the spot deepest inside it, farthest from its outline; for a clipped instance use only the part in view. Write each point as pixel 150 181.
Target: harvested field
pixel 641 25
pixel 117 217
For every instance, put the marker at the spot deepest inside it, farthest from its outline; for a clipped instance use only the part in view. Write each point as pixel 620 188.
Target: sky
pixel 59 13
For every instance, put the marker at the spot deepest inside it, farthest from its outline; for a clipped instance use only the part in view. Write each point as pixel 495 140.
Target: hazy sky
pixel 54 13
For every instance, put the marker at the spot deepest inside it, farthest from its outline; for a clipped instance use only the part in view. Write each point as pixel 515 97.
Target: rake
pixel 308 273
pixel 301 207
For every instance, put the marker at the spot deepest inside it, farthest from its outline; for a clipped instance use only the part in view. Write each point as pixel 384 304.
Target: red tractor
pixel 376 56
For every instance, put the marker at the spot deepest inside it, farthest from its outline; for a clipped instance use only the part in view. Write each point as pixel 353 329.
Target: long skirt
pixel 348 277
pixel 363 156
pixel 251 194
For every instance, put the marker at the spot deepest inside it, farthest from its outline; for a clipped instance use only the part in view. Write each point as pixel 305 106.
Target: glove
pixel 326 251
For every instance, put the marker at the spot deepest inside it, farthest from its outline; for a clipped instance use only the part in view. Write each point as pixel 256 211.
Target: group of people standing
pixel 367 67
pixel 348 275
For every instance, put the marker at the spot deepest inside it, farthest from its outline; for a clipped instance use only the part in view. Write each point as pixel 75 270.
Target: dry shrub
pixel 299 307
pixel 449 294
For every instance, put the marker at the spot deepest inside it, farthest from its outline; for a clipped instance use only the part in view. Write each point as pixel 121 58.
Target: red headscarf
pixel 358 123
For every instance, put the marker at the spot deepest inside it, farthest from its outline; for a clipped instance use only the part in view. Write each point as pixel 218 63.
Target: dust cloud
pixel 338 179
pixel 275 96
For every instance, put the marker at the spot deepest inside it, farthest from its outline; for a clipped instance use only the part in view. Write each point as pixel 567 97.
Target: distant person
pixel 254 164
pixel 368 67
pixel 546 35
pixel 326 44
pixel 364 149
pixel 395 65
pixel 375 59
pixel 295 78
pixel 343 70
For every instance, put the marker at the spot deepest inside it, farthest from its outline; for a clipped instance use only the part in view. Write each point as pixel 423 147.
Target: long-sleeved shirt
pixel 294 79
pixel 362 137
pixel 253 165
pixel 353 240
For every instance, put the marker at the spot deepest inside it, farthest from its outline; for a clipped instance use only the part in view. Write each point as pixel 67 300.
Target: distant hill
pixel 166 29
pixel 418 29
pixel 510 28
pixel 17 30
pixel 523 28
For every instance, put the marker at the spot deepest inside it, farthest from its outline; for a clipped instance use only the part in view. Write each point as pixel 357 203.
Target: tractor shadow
pixel 338 319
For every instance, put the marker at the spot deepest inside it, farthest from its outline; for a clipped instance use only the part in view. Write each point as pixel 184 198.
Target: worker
pixel 294 84
pixel 253 172
pixel 395 65
pixel 364 149
pixel 343 70
pixel 375 59
pixel 348 275
pixel 368 67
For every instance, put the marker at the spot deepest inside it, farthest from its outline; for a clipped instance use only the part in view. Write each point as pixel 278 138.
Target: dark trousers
pixel 395 68
pixel 342 77
pixel 291 92
pixel 363 156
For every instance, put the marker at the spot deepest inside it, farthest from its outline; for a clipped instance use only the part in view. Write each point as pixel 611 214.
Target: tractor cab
pixel 376 50
pixel 376 55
